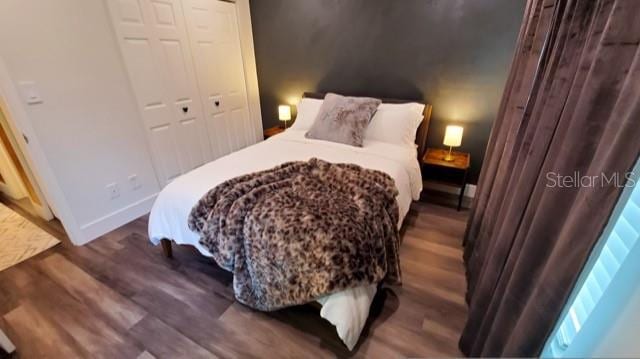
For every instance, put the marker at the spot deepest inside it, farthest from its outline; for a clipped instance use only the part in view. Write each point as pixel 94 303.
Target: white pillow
pixel 308 109
pixel 409 106
pixel 395 123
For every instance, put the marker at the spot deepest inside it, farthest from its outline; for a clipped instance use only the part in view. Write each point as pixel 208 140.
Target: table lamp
pixel 452 138
pixel 284 114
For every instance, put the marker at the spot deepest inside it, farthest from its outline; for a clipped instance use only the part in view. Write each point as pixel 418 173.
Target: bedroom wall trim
pixel 243 14
pixel 21 126
pixel 116 218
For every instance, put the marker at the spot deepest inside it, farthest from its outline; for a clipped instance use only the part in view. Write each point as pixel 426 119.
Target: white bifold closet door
pixel 185 66
pixel 215 42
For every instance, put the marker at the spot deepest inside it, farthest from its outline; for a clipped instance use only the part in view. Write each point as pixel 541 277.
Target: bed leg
pixel 166 248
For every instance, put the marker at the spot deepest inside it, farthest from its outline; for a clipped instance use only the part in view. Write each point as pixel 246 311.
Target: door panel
pixel 169 28
pixel 157 54
pixel 163 143
pixel 177 69
pixel 189 129
pixel 210 82
pixel 147 85
pixel 214 36
pixel 217 127
pixel 128 11
pixel 164 14
pixel 156 115
pixel 185 64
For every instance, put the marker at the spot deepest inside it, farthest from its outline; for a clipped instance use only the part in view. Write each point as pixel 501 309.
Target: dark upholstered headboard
pixel 421 134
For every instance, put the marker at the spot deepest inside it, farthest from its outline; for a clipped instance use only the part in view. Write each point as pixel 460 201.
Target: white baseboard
pixel 469 192
pixel 108 223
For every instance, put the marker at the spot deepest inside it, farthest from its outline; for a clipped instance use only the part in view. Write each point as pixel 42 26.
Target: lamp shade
pixel 284 112
pixel 453 136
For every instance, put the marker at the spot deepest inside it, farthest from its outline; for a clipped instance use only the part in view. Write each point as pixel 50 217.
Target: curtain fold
pixel 570 107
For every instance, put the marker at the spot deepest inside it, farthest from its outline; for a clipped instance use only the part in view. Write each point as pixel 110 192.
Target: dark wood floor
pixel 118 297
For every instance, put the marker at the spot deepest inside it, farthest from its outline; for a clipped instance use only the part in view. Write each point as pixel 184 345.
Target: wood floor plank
pixel 420 286
pixel 411 250
pixel 200 325
pixel 437 277
pixel 86 289
pixel 163 341
pixel 127 269
pixel 119 297
pixel 95 336
pixel 35 336
pixel 402 342
pixel 440 250
pixel 292 343
pixel 55 305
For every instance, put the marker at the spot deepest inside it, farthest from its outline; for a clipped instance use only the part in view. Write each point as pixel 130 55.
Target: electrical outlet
pixel 133 182
pixel 114 190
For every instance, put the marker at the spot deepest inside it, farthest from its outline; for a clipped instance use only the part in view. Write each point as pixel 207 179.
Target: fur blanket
pixel 301 230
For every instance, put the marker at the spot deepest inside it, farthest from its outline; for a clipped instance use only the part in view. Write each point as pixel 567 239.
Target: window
pixel 620 237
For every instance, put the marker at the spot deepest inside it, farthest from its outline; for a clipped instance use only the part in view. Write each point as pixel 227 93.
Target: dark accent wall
pixel 453 54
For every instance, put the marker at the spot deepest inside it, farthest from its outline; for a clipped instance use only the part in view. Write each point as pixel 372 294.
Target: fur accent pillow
pixel 343 119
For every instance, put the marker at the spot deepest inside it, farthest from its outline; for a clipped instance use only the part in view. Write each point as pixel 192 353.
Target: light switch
pixel 30 93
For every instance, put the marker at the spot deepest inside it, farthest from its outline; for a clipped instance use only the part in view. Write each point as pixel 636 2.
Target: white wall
pixel 88 126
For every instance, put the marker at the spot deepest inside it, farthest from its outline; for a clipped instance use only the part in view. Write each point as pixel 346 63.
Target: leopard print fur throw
pixel 301 230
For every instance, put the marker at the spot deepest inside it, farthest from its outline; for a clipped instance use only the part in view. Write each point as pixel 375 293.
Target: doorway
pixel 27 225
pixel 16 182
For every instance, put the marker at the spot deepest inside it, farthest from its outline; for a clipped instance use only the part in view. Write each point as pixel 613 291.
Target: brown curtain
pixel 571 107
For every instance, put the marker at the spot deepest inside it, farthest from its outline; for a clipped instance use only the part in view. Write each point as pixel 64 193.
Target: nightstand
pixel 272 131
pixel 450 172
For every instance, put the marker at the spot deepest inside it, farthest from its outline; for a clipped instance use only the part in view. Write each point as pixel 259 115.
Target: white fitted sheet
pixel 348 309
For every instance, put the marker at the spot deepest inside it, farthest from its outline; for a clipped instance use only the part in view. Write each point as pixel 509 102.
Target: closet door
pixel 215 42
pixel 156 51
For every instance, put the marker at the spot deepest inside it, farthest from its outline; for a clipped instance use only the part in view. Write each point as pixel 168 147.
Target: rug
pixel 20 239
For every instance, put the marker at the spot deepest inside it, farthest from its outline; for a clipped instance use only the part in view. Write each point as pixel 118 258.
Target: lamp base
pixel 448 157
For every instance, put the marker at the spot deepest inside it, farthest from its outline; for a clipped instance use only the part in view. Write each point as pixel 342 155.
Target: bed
pixel 346 310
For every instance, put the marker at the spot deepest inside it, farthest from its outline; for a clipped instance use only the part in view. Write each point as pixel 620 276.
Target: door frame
pixel 21 171
pixel 11 182
pixel 21 127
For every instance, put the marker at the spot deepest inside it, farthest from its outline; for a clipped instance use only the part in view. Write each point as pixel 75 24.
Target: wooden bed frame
pixel 421 143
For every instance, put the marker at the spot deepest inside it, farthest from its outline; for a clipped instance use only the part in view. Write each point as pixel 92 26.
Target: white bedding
pixel 347 310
